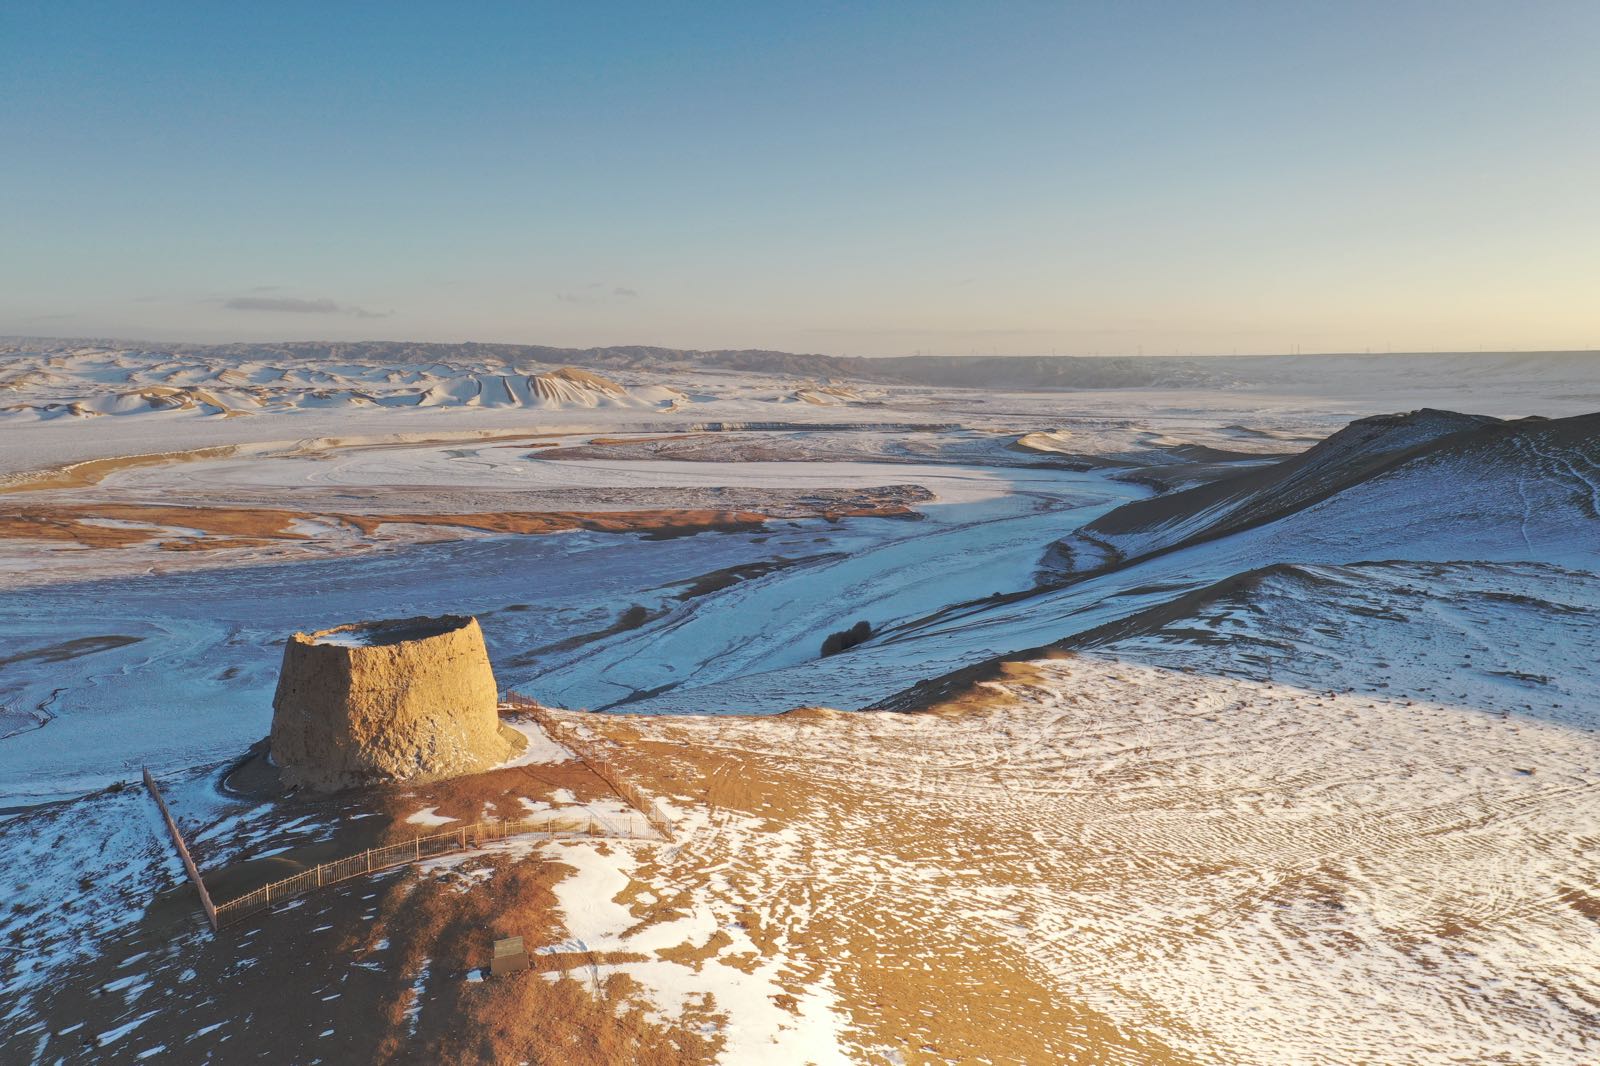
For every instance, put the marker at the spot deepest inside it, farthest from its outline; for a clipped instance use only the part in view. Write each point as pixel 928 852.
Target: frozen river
pixel 178 669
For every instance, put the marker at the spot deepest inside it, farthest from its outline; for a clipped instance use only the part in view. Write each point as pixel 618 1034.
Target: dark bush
pixel 846 639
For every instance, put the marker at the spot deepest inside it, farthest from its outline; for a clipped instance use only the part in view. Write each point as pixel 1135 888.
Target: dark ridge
pixel 1362 450
pixel 933 691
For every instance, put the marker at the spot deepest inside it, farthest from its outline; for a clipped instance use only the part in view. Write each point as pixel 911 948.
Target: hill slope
pixel 1387 449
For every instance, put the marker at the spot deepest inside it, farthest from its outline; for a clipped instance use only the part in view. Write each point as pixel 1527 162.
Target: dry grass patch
pixel 852 886
pixel 521 1017
pixel 76 522
pixel 493 794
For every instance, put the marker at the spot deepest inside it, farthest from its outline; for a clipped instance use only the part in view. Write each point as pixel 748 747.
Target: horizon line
pixel 1140 354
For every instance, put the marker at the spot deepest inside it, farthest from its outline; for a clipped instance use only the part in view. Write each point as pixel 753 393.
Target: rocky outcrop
pixel 407 700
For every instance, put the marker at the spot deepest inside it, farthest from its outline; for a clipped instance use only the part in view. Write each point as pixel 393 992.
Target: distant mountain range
pixel 989 372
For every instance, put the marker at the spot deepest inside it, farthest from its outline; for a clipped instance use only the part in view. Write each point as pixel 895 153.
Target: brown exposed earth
pixel 78 523
pixel 235 527
pixel 915 985
pixel 656 523
pixel 82 475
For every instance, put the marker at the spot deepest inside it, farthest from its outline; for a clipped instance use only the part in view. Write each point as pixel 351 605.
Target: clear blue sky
pixel 869 179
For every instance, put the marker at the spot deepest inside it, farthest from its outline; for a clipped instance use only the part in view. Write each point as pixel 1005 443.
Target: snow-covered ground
pixel 62 402
pixel 737 983
pixel 465 467
pixel 1252 872
pixel 102 928
pixel 1317 788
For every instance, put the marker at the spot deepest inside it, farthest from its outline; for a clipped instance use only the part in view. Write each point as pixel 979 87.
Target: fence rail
pixel 648 821
pixel 428 846
pixel 183 851
pixel 594 757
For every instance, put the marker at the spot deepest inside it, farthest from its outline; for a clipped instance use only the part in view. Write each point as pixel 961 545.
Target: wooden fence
pixel 648 821
pixel 183 851
pixel 555 825
pixel 594 757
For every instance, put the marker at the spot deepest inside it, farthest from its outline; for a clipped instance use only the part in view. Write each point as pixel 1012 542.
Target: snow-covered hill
pixel 1505 493
pixel 1423 475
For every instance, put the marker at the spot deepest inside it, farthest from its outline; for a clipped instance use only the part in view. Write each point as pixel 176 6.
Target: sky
pixel 862 179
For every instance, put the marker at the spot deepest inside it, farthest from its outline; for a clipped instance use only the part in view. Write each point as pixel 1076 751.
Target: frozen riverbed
pixel 177 669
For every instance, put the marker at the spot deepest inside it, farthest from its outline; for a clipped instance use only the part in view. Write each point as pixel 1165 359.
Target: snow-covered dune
pixel 571 387
pixel 86 382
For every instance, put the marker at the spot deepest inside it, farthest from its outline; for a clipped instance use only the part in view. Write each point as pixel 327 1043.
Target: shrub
pixel 846 639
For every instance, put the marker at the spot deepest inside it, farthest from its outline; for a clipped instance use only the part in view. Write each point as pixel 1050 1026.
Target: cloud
pixel 281 303
pixel 910 331
pixel 299 305
pixel 595 292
